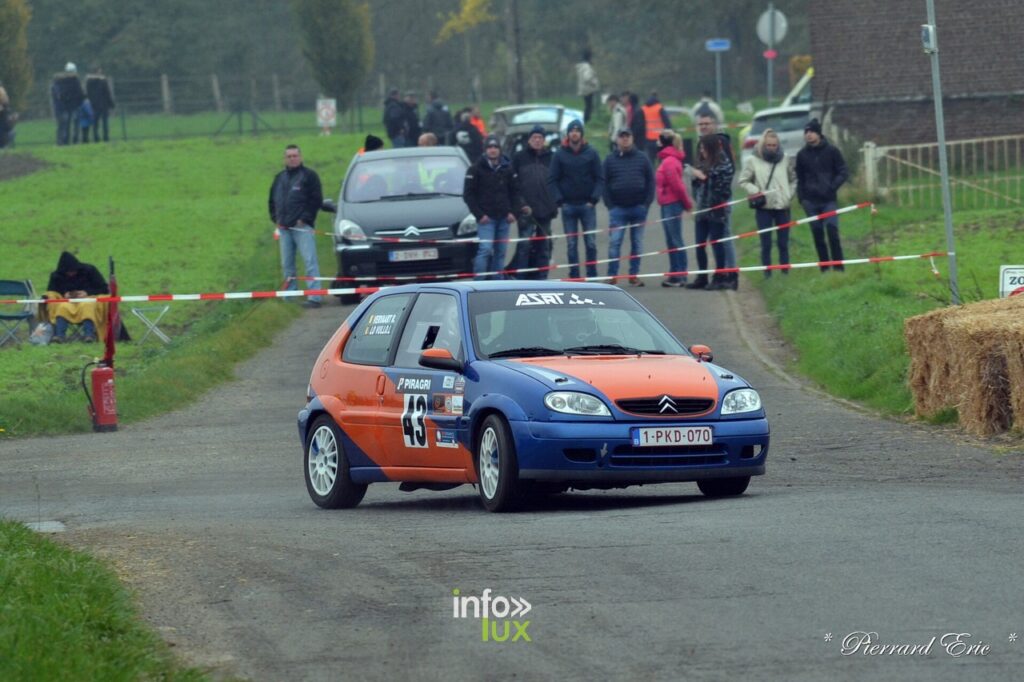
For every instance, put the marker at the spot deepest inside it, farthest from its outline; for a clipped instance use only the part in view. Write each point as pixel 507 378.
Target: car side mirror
pixel 328 206
pixel 702 352
pixel 440 358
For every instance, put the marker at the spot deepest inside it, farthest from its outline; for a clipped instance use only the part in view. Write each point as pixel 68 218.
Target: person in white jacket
pixel 586 84
pixel 769 178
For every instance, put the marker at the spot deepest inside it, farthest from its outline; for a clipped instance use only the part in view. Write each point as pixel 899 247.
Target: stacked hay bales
pixel 970 358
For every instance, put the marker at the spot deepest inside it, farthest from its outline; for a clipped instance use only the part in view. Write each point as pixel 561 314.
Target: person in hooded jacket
pixel 532 168
pixel 492 195
pixel 438 120
pixel 712 186
pixel 576 183
pixel 769 172
pixel 74 279
pixel 673 199
pixel 394 119
pixel 820 172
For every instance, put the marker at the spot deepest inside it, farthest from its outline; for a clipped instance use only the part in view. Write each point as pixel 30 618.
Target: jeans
pixel 88 329
pixel 580 216
pixel 102 118
pixel 635 217
pixel 705 230
pixel 767 217
pixel 303 239
pixel 490 252
pixel 819 228
pixel 64 126
pixel 534 253
pixel 672 222
pixel 398 141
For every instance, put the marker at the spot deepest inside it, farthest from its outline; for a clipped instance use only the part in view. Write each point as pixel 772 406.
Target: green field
pixel 178 217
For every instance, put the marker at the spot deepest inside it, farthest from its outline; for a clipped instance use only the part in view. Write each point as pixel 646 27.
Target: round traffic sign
pixel 765 25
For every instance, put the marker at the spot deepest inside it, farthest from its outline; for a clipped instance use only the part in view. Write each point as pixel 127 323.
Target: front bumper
pixel 373 260
pixel 590 451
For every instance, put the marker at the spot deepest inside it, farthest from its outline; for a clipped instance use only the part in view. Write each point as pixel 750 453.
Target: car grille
pixel 665 406
pixel 424 233
pixel 671 456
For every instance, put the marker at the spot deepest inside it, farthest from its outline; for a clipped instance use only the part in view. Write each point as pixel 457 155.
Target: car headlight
pixel 569 402
pixel 742 400
pixel 467 226
pixel 346 229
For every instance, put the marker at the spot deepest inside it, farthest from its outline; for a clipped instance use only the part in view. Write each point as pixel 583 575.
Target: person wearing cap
pixel 394 119
pixel 820 172
pixel 67 95
pixel 576 183
pixel 532 168
pixel 628 191
pixel 492 195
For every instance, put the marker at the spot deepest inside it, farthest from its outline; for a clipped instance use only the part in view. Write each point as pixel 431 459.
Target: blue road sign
pixel 717 45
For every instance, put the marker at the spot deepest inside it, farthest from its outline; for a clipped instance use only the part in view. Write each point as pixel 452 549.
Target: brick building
pixel 873 76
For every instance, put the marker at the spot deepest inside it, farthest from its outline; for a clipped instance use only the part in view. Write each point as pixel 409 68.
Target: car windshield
pixel 406 178
pixel 560 321
pixel 781 123
pixel 528 116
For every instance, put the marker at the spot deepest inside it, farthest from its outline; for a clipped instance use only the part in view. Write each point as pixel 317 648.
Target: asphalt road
pixel 860 524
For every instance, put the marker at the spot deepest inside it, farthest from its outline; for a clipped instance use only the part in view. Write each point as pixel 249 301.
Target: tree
pixel 15 65
pixel 338 42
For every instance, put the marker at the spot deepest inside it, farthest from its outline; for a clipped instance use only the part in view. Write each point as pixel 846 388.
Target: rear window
pixel 780 123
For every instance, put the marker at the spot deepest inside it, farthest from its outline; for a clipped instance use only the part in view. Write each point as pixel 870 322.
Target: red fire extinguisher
pixel 103 401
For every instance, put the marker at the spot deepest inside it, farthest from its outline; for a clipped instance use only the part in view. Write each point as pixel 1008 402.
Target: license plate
pixel 661 436
pixel 412 254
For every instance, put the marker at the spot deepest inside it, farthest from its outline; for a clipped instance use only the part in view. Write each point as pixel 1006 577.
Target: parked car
pixel 788 122
pixel 522 388
pixel 412 194
pixel 513 124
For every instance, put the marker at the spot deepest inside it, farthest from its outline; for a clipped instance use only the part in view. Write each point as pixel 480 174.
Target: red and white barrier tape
pixel 252 295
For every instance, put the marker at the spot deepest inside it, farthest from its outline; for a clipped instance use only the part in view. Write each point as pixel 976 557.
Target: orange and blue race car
pixel 522 388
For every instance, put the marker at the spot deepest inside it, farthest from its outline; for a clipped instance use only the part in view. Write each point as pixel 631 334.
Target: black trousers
pixel 829 227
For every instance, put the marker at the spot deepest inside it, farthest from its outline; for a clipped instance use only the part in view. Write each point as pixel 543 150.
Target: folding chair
pixel 11 316
pixel 151 325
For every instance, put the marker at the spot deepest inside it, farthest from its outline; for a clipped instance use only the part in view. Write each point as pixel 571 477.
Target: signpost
pixel 771 29
pixel 1011 281
pixel 718 46
pixel 326 114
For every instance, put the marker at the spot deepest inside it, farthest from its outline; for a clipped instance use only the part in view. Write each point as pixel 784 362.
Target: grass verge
pixel 64 616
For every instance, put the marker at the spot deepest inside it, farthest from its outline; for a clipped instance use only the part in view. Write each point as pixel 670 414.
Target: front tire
pixel 496 466
pixel 724 487
pixel 327 469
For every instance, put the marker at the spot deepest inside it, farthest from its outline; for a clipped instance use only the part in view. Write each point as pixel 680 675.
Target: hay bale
pixel 929 373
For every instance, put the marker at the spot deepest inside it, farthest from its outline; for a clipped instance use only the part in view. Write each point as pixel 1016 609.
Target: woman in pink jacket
pixel 673 199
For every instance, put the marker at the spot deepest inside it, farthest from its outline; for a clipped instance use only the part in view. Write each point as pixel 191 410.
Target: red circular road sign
pixel 770 54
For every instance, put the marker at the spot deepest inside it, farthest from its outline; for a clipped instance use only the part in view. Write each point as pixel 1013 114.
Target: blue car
pixel 522 388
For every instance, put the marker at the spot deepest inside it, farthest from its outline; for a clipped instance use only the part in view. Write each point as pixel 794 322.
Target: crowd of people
pixel 79 109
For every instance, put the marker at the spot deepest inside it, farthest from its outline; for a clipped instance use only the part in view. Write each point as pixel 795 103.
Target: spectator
pixel 492 196
pixel 586 83
pixel 412 119
pixel 770 172
pixel 820 172
pixel 394 119
pixel 97 90
pixel 468 137
pixel 84 119
pixel 371 144
pixel 477 120
pixel 707 124
pixel 427 140
pixel 673 199
pixel 707 106
pixel 576 183
pixel 712 186
pixel 295 198
pixel 628 192
pixel 617 121
pixel 438 120
pixel 532 169
pixel 655 121
pixel 7 120
pixel 74 279
pixel 67 95
pixel 637 123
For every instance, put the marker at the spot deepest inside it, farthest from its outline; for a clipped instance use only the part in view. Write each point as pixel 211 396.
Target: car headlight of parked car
pixel 346 229
pixel 570 402
pixel 741 400
pixel 467 226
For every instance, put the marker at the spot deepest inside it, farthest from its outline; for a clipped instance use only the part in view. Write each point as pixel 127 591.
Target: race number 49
pixel 414 426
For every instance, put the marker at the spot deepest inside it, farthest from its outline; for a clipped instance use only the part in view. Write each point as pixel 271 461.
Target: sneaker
pixel 636 282
pixel 672 283
pixel 698 283
pixel 311 304
pixel 613 281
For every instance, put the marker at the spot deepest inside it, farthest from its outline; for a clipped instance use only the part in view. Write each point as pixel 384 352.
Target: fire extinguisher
pixel 102 401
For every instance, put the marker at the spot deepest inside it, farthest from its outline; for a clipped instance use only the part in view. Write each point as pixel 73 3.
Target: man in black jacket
pixel 628 191
pixel 97 89
pixel 394 119
pixel 492 195
pixel 576 183
pixel 531 167
pixel 295 199
pixel 67 95
pixel 820 172
pixel 438 120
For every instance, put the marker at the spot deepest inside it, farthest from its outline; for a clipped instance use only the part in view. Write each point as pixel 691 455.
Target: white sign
pixel 327 113
pixel 1011 281
pixel 764 27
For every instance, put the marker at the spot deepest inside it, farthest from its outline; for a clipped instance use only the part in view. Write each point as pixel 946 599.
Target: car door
pixel 422 409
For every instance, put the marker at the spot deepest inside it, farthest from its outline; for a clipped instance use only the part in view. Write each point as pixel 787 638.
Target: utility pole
pixel 516 50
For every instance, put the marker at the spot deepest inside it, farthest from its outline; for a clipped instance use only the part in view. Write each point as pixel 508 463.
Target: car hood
pixel 429 212
pixel 624 376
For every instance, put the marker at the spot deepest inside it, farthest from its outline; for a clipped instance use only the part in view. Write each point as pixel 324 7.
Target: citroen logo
pixel 667 404
pixel 411 231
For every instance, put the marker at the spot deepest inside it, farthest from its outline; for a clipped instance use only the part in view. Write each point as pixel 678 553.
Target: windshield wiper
pixel 527 351
pixel 411 195
pixel 610 349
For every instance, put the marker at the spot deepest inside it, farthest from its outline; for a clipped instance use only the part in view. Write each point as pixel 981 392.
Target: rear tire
pixel 724 487
pixel 327 469
pixel 496 466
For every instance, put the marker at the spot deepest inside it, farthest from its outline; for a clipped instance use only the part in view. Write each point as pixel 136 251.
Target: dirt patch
pixel 16 165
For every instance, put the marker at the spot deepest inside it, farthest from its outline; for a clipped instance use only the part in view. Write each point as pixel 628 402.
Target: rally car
pixel 522 388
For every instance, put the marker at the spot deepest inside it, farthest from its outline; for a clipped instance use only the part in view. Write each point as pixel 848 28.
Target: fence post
pixel 165 92
pixel 218 101
pixel 870 167
pixel 276 85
